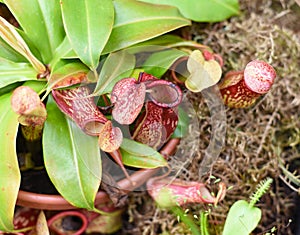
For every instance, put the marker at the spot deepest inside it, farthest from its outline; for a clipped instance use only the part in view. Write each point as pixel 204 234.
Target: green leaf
pixel 141 156
pixel 117 65
pixel 11 72
pixel 61 51
pixel 163 40
pixel 11 36
pixel 37 86
pixel 10 174
pixel 186 219
pixel 9 88
pixel 203 223
pixel 88 25
pixel 137 22
pixel 158 63
pixel 68 69
pixel 9 168
pixel 182 125
pixel 242 219
pixel 72 158
pixel 42 22
pixel 10 54
pixel 159 43
pixel 203 10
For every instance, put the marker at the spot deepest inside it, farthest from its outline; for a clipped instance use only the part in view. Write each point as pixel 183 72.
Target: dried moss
pixel 258 138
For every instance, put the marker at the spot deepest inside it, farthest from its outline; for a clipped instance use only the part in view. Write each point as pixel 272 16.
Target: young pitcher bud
pixel 168 192
pixel 26 102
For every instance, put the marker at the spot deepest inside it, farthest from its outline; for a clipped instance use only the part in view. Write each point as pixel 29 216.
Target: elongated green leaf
pixel 148 162
pixel 72 158
pixel 63 51
pixel 159 62
pixel 137 22
pixel 30 44
pixel 11 36
pixel 186 219
pixel 9 88
pixel 182 125
pixel 117 65
pixel 9 168
pixel 11 72
pixel 159 43
pixel 203 10
pixel 242 219
pixel 139 155
pixel 42 22
pixel 88 25
pixel 10 54
pixel 163 40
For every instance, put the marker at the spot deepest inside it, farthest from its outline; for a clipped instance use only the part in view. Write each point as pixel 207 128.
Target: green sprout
pixel 243 217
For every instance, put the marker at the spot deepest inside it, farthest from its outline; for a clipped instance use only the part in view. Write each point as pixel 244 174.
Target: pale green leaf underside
pixel 72 159
pixel 139 155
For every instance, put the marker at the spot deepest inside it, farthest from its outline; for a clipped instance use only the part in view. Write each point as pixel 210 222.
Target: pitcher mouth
pixel 259 76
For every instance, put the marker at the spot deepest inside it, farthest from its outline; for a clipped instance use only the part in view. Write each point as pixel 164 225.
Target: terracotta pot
pixel 57 202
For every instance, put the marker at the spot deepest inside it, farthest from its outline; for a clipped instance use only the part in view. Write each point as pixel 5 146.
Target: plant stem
pixel 186 220
pixel 203 223
pixel 261 189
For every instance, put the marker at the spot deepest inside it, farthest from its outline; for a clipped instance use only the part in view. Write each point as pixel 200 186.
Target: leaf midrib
pixel 108 81
pixel 46 29
pixel 76 163
pixel 89 35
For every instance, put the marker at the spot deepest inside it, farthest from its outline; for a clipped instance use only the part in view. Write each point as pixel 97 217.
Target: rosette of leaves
pixel 60 52
pixel 55 45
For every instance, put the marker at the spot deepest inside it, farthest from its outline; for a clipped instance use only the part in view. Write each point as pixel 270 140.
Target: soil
pixel 261 141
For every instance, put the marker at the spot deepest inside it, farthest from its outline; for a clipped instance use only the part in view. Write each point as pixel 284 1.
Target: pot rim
pixel 57 202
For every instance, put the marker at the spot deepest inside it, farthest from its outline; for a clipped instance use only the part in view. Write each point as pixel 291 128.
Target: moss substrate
pixel 260 140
